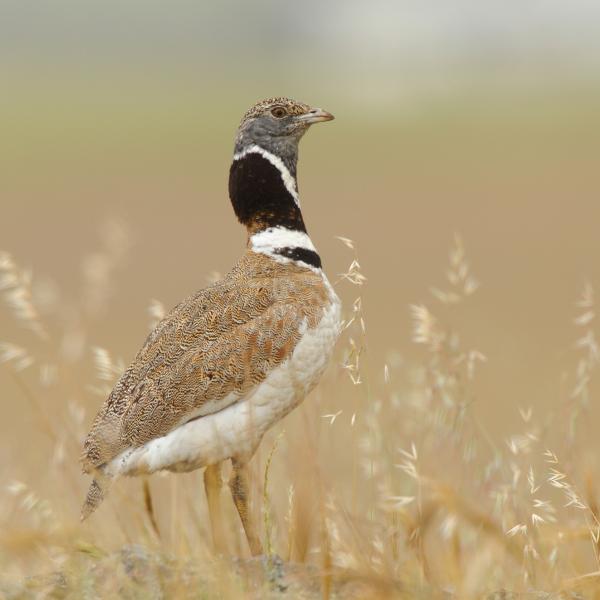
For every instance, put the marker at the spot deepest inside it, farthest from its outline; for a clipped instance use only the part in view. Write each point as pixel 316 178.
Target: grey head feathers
pixel 277 125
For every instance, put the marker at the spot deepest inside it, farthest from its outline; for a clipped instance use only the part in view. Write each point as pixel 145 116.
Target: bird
pixel 233 359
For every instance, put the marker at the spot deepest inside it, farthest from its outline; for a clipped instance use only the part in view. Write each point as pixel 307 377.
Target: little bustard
pixel 232 359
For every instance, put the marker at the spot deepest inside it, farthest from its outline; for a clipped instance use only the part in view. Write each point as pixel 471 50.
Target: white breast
pixel 237 430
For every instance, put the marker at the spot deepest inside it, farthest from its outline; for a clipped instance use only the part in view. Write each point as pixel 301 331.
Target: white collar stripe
pixel 280 237
pixel 272 240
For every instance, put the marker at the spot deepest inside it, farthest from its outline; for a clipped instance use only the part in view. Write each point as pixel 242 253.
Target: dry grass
pixel 383 484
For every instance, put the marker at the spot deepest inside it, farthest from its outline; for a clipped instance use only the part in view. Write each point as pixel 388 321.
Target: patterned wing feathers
pixel 210 351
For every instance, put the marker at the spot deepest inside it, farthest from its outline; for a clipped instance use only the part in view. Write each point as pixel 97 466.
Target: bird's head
pixel 276 125
pixel 262 178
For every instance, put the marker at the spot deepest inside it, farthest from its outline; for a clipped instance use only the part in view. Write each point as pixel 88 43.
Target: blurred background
pixel 473 118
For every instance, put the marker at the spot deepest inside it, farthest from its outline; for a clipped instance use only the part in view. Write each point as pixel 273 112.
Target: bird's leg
pixel 212 485
pixel 238 484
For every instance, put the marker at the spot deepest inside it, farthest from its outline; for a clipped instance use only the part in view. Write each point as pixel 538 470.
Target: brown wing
pixel 208 352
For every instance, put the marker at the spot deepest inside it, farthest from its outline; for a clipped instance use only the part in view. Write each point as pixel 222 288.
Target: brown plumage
pixel 291 107
pixel 221 340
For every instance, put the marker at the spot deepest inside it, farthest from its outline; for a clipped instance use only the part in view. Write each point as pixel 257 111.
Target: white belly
pixel 237 430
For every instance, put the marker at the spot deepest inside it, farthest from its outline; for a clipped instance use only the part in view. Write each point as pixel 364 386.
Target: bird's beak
pixel 316 115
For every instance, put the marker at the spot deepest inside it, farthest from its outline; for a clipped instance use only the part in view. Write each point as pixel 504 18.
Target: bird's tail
pixel 96 493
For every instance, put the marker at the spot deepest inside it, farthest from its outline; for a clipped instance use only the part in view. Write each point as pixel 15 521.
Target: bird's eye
pixel 278 112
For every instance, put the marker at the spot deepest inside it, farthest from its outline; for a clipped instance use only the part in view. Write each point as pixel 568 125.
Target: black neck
pixel 259 196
